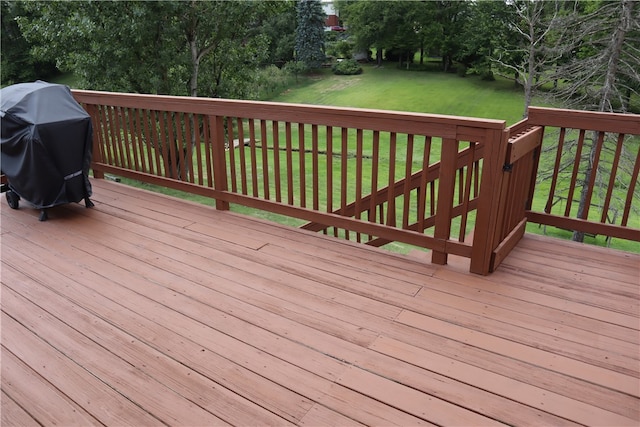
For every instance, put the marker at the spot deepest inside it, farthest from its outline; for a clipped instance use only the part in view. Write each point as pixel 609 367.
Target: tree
pixel 371 23
pixel 603 71
pixel 280 30
pixel 534 40
pixel 16 64
pixel 484 31
pixel 606 73
pixel 117 46
pixel 384 26
pixel 310 33
pixel 168 47
pixel 451 16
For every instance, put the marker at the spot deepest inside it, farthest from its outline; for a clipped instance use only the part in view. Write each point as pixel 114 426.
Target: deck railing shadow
pixel 369 175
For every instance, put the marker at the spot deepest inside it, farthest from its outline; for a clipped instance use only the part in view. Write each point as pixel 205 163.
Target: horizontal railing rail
pixel 371 175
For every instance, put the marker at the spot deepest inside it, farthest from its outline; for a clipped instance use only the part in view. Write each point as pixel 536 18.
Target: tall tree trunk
pixel 608 89
pixel 195 66
pixel 529 79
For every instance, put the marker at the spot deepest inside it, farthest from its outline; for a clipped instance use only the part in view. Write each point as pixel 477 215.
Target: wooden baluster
pixel 301 159
pixel 276 159
pixel 265 159
pixel 592 175
pixel 253 157
pixel 467 192
pixel 314 167
pixel 231 143
pixel 243 158
pixel 574 173
pixel 374 175
pixel 422 190
pixel 358 189
pixel 631 190
pixel 407 181
pixel 612 177
pixel 289 145
pixel 344 154
pixel 208 150
pixel 391 198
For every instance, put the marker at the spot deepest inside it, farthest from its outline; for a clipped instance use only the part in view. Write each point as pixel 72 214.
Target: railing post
pixel 96 151
pixel 489 203
pixel 446 187
pixel 216 129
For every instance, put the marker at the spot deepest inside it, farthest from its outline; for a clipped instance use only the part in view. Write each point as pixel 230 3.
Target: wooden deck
pixel 147 310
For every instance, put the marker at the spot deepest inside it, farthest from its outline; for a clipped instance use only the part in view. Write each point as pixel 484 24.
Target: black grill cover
pixel 46 143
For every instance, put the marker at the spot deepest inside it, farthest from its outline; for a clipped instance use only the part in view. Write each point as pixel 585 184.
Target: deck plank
pixel 51 408
pixel 234 320
pixel 623 382
pixel 12 414
pixel 570 409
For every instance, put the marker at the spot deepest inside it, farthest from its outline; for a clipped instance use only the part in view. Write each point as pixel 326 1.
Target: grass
pixel 430 92
pixel 390 88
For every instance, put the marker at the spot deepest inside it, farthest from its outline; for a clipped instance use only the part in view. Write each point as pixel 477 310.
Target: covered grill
pixel 46 143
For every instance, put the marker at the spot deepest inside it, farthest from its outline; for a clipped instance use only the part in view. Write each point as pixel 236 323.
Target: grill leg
pixel 44 215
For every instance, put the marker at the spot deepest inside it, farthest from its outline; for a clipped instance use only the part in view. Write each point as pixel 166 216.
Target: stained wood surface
pixel 148 310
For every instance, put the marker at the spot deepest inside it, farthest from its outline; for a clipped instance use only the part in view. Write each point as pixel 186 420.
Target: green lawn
pixel 390 88
pixel 430 92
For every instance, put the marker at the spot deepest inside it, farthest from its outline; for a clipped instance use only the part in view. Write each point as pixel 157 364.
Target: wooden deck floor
pixel 150 311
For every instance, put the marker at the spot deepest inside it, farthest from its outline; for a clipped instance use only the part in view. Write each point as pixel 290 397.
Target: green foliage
pixel 169 47
pixel 487 75
pixel 270 81
pixel 310 33
pixel 348 67
pixel 295 67
pixel 280 29
pixel 485 29
pixel 16 63
pixel 342 48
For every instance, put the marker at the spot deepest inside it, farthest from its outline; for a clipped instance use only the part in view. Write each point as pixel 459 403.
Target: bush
pixel 347 67
pixel 487 75
pixel 270 81
pixel 339 48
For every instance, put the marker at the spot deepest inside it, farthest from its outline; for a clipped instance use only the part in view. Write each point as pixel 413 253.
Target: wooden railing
pixel 380 176
pixel 582 165
pixel 369 175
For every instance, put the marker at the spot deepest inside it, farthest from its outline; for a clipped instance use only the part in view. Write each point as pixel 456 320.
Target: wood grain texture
pixel 149 310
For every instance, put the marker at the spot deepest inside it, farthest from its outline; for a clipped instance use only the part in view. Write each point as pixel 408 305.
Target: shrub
pixel 487 75
pixel 269 81
pixel 347 67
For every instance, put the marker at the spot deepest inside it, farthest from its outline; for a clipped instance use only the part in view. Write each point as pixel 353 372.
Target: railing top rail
pixel 381 120
pixel 588 120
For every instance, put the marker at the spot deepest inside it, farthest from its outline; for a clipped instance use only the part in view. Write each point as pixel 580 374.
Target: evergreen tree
pixel 310 33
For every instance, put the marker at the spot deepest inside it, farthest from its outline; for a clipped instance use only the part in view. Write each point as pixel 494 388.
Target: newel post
pixel 96 150
pixel 446 190
pixel 490 201
pixel 216 135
